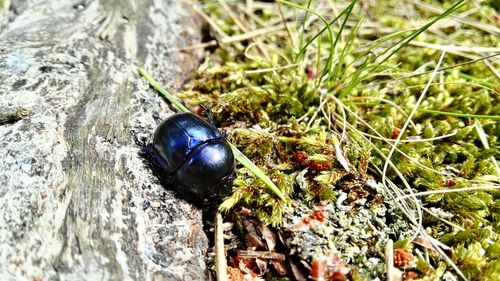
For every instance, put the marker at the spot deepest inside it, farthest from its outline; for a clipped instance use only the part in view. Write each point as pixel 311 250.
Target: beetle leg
pixel 140 141
pixel 147 151
pixel 223 133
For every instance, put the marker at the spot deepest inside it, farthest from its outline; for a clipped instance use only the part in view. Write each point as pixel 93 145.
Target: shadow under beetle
pixel 191 156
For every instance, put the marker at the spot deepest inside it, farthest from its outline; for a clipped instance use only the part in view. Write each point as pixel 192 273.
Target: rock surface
pixel 76 200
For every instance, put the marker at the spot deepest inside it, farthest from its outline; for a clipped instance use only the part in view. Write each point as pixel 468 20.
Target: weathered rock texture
pixel 76 200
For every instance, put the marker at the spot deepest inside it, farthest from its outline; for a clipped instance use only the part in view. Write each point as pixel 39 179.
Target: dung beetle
pixel 190 155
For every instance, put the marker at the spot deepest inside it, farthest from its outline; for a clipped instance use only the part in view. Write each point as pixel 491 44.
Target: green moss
pixel 271 115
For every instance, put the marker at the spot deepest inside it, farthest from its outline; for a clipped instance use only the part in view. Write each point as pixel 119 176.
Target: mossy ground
pixel 320 110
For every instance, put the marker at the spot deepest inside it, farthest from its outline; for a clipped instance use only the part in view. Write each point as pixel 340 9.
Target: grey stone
pixel 76 200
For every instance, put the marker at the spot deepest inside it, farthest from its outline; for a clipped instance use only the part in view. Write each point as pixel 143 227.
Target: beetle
pixel 192 156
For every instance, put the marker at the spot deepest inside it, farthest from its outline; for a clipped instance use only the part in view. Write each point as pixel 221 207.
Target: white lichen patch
pixel 356 235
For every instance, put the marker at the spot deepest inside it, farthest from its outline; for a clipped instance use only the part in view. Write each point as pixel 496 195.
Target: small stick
pixel 261 255
pixel 220 257
pixel 209 20
pixel 249 6
pixel 252 34
pixel 242 26
pixel 389 260
pixel 237 38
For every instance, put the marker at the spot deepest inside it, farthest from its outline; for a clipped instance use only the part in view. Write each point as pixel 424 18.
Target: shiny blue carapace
pixel 192 156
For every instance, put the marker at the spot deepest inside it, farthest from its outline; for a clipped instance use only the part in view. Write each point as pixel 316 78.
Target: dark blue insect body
pixel 190 154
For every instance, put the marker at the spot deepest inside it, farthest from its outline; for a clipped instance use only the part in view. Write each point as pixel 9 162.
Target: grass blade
pixel 171 98
pixel 348 44
pixel 327 26
pixel 256 171
pixel 404 41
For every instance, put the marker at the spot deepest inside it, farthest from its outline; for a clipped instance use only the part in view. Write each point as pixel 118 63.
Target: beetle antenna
pixel 209 114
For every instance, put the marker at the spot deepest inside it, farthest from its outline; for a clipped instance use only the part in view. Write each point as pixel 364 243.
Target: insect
pixel 192 156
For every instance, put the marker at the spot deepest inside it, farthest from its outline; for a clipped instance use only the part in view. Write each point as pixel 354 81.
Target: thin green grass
pixel 436 112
